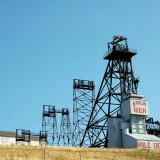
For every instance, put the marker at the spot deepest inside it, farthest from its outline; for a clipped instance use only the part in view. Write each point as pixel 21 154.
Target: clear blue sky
pixel 44 44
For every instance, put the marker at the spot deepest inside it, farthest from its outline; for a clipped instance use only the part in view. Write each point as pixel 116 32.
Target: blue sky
pixel 44 45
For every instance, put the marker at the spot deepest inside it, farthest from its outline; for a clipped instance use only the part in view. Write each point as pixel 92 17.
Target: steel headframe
pixel 65 135
pixel 49 124
pixel 83 100
pixel 118 80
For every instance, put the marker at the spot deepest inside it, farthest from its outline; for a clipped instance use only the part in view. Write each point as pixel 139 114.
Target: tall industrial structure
pixel 83 100
pixel 50 126
pixel 121 111
pixel 65 134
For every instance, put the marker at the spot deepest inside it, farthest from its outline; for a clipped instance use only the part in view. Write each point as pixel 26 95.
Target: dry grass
pixel 71 153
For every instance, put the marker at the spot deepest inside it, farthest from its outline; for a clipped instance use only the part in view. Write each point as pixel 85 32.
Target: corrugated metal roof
pixel 144 137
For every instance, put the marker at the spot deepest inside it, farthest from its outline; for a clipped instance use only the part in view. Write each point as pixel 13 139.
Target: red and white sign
pixel 148 144
pixel 139 107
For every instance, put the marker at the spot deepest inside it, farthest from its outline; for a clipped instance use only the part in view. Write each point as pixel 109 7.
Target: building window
pixel 138 124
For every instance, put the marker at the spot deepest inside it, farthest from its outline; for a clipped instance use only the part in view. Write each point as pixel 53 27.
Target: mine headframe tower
pixel 118 80
pixel 83 100
pixel 65 135
pixel 50 129
pixel 49 124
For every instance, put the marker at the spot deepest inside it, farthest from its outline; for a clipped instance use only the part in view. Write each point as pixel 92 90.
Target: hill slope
pixel 71 153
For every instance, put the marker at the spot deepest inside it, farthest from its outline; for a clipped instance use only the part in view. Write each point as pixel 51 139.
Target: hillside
pixel 71 153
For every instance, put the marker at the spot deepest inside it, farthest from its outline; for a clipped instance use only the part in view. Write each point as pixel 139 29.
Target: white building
pixel 9 138
pixel 129 131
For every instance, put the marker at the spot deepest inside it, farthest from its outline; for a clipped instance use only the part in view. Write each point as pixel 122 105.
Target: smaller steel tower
pixel 65 136
pixel 83 99
pixel 49 124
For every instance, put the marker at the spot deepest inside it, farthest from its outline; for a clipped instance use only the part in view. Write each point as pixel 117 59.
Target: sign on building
pixel 148 144
pixel 139 107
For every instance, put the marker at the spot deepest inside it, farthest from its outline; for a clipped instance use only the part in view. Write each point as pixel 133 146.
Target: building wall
pixel 12 141
pixel 114 133
pixel 34 143
pixel 128 141
pixel 7 140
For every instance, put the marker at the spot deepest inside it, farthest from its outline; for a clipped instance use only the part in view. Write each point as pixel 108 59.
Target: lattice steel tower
pixel 118 81
pixel 83 100
pixel 65 135
pixel 49 124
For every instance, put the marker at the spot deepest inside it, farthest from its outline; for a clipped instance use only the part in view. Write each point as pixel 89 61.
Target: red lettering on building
pixel 139 107
pixel 148 144
pixel 139 110
pixel 141 144
pixel 156 145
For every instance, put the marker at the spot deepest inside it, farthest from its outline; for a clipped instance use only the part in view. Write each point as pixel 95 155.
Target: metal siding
pixel 12 141
pixel 114 133
pixel 128 141
pixel 125 107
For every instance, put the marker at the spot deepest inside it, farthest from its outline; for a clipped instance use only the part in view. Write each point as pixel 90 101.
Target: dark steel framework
pixel 43 138
pixel 152 126
pixel 83 100
pixel 65 134
pixel 49 124
pixel 118 81
pixel 23 136
pixel 50 128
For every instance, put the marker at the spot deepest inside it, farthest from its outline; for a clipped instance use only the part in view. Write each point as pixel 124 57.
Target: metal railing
pixel 120 49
